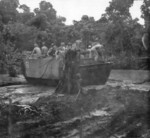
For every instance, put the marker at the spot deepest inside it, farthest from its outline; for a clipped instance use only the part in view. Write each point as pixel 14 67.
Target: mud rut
pixel 109 112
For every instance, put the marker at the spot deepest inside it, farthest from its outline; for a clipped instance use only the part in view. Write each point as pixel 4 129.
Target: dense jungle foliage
pixel 116 30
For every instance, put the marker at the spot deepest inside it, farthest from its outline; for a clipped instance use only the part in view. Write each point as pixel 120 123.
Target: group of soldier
pixel 95 50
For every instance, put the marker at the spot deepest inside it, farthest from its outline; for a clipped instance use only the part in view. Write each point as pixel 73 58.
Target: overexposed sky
pixel 74 9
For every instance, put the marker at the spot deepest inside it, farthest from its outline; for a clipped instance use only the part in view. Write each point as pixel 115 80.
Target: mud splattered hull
pixel 95 74
pixel 91 74
pixel 40 72
pixel 40 81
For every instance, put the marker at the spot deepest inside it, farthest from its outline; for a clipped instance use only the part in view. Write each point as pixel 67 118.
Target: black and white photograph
pixel 74 68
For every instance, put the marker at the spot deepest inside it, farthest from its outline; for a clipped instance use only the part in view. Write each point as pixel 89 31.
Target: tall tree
pixel 8 10
pixel 46 8
pixel 85 28
pixel 26 15
pixel 145 8
pixel 118 17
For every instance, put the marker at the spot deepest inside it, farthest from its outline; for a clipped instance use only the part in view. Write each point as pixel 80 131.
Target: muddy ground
pixel 115 110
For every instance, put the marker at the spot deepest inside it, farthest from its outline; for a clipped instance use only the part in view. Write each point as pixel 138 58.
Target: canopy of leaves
pixel 116 30
pixel 8 10
pixel 26 15
pixel 145 8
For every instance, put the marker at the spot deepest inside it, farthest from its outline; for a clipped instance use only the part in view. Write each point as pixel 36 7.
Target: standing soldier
pixel 146 44
pixel 36 51
pixel 52 50
pixel 44 50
